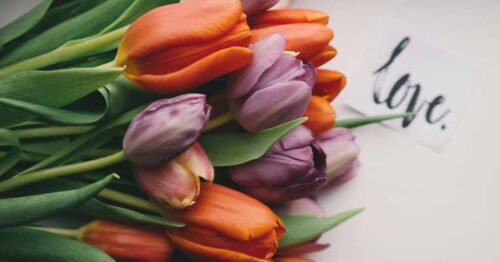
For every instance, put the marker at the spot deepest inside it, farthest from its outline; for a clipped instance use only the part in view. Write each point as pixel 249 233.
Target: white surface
pixel 421 205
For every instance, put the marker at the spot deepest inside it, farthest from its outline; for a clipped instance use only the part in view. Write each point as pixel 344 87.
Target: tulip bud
pixel 282 4
pixel 176 183
pixel 342 153
pixel 329 84
pixel 165 129
pixel 275 88
pixel 301 207
pixel 226 225
pixel 127 241
pixel 293 168
pixel 320 115
pixel 252 7
pixel 177 47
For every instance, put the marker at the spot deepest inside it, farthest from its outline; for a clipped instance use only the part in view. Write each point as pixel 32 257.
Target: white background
pixel 421 205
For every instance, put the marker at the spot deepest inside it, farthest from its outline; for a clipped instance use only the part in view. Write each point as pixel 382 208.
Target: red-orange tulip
pixel 305 31
pixel 177 47
pixel 128 242
pixel 292 259
pixel 321 115
pixel 226 225
pixel 329 83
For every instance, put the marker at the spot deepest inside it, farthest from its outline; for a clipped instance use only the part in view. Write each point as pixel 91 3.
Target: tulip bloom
pixel 176 183
pixel 128 242
pixel 321 115
pixel 305 32
pixel 177 47
pixel 226 225
pixel 252 7
pixel 329 84
pixel 342 153
pixel 301 207
pixel 275 88
pixel 293 168
pixel 165 129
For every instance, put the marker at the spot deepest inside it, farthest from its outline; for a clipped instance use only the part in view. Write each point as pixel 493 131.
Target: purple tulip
pixel 165 129
pixel 293 168
pixel 301 207
pixel 252 7
pixel 275 88
pixel 342 153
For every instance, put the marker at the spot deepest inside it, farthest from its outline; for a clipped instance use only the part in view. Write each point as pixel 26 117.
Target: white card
pixel 402 73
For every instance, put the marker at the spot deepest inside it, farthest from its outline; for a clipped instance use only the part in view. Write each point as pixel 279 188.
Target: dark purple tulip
pixel 342 153
pixel 165 129
pixel 293 168
pixel 275 88
pixel 252 7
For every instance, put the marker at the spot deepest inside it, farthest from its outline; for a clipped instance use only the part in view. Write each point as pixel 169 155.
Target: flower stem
pixel 367 120
pixel 51 131
pixel 73 233
pixel 218 121
pixel 61 171
pixel 66 52
pixel 130 200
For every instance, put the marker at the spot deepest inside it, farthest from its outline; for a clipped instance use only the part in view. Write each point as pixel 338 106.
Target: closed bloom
pixel 165 129
pixel 305 32
pixel 275 88
pixel 127 241
pixel 176 183
pixel 226 225
pixel 329 84
pixel 342 153
pixel 301 207
pixel 293 168
pixel 252 7
pixel 177 47
pixel 321 115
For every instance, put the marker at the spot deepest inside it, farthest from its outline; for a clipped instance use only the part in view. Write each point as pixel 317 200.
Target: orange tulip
pixel 226 225
pixel 177 47
pixel 321 115
pixel 128 242
pixel 292 259
pixel 329 83
pixel 305 32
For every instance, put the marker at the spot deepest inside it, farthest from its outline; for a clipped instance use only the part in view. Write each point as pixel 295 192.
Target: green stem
pixel 51 131
pixel 218 121
pixel 73 233
pixel 66 53
pixel 129 200
pixel 60 171
pixel 361 121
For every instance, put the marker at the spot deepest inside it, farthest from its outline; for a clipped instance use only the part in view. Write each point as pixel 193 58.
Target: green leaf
pixel 27 209
pixel 27 245
pixel 98 209
pixel 235 149
pixel 301 229
pixel 81 26
pixel 361 121
pixel 24 23
pixel 11 147
pixel 50 88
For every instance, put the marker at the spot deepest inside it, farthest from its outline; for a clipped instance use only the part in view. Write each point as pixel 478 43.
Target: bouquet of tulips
pixel 151 130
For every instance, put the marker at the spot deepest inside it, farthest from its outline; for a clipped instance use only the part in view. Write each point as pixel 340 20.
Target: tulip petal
pixel 322 58
pixel 329 84
pixel 303 249
pixel 288 16
pixel 252 7
pixel 301 207
pixel 208 68
pixel 307 39
pixel 196 161
pixel 292 259
pixel 321 115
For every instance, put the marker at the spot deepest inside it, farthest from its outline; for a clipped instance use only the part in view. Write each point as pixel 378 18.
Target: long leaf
pixel 27 245
pixel 24 23
pixel 236 149
pixel 301 229
pixel 11 147
pixel 27 209
pixel 50 88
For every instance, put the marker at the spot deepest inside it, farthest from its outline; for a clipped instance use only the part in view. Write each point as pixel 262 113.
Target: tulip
pixel 293 168
pixel 305 31
pixel 128 242
pixel 292 259
pixel 176 183
pixel 301 207
pixel 282 4
pixel 165 129
pixel 342 153
pixel 321 115
pixel 226 225
pixel 177 47
pixel 275 88
pixel 329 84
pixel 252 7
